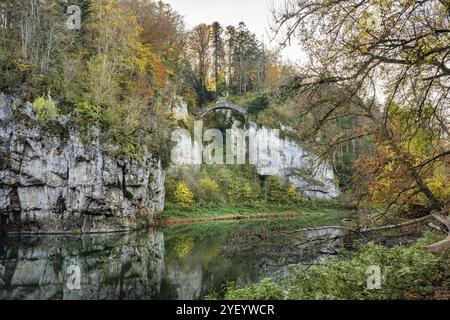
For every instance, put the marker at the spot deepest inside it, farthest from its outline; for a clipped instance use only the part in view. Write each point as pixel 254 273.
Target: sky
pixel 255 13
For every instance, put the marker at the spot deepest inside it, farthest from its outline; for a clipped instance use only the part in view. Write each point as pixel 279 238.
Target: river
pixel 184 262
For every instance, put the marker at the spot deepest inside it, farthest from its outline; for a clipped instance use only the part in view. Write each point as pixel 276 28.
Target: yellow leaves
pixel 45 110
pixel 367 24
pixel 183 196
pixel 273 75
pixel 158 70
pixel 184 246
pixel 291 195
pixel 363 49
pixel 386 179
pixel 211 85
pixel 440 188
pixel 138 57
pixel 417 141
pixel 104 8
pixel 20 65
pixel 126 62
pixel 439 183
pixel 115 26
pixel 208 190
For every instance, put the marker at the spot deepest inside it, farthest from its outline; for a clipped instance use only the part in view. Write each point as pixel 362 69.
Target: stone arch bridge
pixel 201 112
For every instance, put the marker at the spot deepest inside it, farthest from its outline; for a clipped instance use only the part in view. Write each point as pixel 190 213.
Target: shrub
pixel 208 190
pixel 170 185
pixel 241 190
pixel 267 289
pixel 86 115
pixel 183 196
pixel 275 189
pixel 258 104
pixel 185 124
pixel 45 110
pixel 290 195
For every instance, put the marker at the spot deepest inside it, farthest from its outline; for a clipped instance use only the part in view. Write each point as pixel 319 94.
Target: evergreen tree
pixel 218 56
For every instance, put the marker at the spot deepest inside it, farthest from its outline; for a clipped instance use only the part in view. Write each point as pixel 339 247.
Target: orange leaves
pixel 159 71
pixel 383 177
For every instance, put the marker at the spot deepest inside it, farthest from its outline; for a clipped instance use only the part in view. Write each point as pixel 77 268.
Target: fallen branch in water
pixel 439 246
pixel 315 229
pixel 399 225
pixel 434 248
pixel 353 230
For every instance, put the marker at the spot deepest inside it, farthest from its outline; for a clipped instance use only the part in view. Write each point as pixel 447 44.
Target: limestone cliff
pixel 54 181
pixel 311 176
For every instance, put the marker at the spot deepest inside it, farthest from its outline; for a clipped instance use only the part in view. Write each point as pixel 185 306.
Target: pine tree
pixel 231 55
pixel 218 55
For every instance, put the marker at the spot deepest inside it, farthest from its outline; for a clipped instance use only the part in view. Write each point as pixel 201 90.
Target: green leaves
pixel 267 289
pixel 45 110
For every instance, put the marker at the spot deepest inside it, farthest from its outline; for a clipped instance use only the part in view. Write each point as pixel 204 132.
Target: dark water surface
pixel 186 262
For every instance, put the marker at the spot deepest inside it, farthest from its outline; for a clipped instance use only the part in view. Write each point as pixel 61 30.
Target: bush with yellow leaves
pixel 183 196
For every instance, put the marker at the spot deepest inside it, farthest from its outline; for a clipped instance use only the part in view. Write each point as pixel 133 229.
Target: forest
pixel 370 105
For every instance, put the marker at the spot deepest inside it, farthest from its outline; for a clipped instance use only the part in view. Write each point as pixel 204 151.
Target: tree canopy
pixel 388 60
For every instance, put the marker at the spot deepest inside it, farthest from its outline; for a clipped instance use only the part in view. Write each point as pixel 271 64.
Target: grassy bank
pixel 174 214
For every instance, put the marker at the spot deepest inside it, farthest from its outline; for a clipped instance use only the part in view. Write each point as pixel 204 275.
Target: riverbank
pixel 174 215
pixel 406 272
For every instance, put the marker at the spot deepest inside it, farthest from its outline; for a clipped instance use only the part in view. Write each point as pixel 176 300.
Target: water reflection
pixel 111 267
pixel 178 263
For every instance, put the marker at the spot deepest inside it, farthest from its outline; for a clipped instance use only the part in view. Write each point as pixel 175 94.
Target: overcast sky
pixel 255 13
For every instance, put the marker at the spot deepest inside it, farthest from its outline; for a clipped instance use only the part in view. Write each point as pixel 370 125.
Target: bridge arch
pixel 201 112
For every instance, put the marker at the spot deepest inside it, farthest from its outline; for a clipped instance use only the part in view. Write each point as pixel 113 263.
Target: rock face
pixel 54 181
pixel 311 176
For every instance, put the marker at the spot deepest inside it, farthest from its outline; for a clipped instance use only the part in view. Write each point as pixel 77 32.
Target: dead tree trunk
pixel 444 244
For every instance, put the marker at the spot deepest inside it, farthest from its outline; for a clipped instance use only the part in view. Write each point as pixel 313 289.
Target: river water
pixel 184 262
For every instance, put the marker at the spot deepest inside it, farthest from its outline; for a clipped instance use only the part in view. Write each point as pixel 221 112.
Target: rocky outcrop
pixel 54 181
pixel 311 176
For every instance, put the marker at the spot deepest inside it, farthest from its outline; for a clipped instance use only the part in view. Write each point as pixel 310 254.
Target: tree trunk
pixel 444 244
pixel 435 205
pixel 440 246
